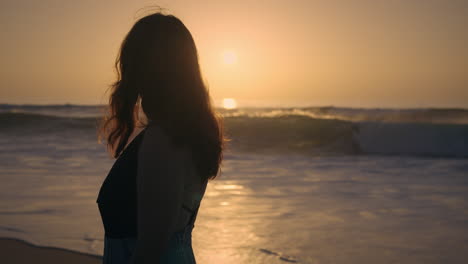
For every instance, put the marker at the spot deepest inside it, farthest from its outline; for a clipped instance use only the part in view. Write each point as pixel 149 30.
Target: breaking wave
pixel 289 133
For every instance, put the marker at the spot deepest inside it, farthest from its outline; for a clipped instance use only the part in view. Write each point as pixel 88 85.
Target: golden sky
pixel 366 53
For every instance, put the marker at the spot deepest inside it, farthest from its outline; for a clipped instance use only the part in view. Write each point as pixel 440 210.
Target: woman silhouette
pixel 150 198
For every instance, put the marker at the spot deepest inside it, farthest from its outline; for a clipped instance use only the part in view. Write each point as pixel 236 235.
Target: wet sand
pixel 14 251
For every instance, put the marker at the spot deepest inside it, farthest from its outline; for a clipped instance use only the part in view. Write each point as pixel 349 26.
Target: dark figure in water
pixel 167 141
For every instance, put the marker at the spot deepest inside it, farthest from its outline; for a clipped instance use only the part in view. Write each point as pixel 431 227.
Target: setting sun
pixel 229 103
pixel 229 57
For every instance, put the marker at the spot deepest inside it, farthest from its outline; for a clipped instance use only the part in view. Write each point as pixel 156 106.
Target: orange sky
pixel 367 53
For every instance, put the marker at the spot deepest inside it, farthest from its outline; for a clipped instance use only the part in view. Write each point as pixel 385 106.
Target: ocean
pixel 298 185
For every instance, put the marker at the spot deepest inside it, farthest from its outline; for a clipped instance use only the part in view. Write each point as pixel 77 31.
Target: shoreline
pixel 14 250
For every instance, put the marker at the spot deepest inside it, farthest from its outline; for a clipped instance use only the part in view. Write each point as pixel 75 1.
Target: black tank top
pixel 117 198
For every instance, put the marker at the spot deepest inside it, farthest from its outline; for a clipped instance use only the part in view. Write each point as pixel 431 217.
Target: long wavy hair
pixel 158 63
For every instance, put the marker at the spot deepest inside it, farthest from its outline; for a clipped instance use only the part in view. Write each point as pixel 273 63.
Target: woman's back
pixel 117 202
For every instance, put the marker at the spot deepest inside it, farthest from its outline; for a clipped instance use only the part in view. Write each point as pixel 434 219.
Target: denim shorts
pixel 119 250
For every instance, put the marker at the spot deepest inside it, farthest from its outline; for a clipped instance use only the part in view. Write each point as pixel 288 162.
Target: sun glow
pixel 229 103
pixel 229 57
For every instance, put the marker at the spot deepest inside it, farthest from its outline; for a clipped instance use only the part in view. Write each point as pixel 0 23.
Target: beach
pixel 14 251
pixel 317 185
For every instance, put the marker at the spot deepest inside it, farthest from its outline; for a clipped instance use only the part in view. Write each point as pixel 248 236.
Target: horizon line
pixel 251 106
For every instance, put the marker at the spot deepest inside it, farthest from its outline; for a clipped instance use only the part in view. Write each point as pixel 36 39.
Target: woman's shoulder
pixel 156 138
pixel 158 151
pixel 154 131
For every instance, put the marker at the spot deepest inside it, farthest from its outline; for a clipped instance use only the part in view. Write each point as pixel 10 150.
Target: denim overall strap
pixel 180 246
pixel 193 217
pixel 184 237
